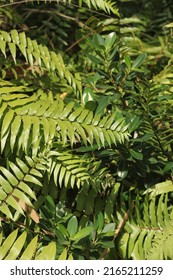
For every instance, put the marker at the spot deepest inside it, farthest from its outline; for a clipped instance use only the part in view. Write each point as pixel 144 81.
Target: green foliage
pixel 86 146
pixel 147 233
pixel 11 248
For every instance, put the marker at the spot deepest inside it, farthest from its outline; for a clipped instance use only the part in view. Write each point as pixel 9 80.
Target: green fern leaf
pixel 17 247
pixel 5 247
pixel 30 249
pixel 48 252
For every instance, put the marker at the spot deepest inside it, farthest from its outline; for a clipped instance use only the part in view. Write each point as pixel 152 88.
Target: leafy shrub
pixel 85 138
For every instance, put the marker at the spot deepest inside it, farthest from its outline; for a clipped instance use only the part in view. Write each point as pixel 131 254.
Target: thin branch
pixel 117 230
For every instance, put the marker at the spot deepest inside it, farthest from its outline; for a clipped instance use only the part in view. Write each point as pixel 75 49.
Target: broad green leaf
pixel 127 61
pixel 139 60
pixel 45 124
pixel 14 131
pixel 70 257
pixel 98 40
pixel 23 50
pixel 109 228
pixel 3 195
pixel 91 105
pixel 168 166
pixel 160 217
pixel 134 124
pixel 88 131
pixel 136 155
pixel 94 59
pixel 99 221
pixel 110 40
pixel 52 129
pixel 102 104
pixel 72 226
pixel 84 232
pixel 35 172
pixel 70 132
pixel 50 203
pixel 148 241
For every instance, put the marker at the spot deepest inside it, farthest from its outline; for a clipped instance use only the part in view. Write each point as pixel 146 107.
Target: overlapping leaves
pixel 26 122
pixel 16 192
pixel 13 247
pixel 148 228
pixel 37 56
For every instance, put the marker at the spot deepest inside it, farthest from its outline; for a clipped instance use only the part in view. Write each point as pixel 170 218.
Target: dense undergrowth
pixel 86 126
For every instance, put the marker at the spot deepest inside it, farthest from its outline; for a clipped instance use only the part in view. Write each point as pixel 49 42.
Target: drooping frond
pixel 105 5
pixel 36 55
pixel 68 170
pixel 26 122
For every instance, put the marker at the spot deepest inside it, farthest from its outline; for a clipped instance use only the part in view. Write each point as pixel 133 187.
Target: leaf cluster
pixel 86 149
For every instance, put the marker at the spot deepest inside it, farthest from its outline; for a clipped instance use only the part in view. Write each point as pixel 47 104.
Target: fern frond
pixel 35 54
pixel 13 248
pixel 147 229
pixel 68 170
pixel 16 192
pixel 23 118
pixel 104 5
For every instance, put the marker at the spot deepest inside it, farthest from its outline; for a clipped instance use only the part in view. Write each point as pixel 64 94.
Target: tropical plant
pixel 86 149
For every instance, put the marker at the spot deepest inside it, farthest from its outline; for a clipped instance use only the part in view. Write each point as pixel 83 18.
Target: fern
pixel 16 192
pixel 35 54
pixel 49 120
pixel 13 248
pixel 148 228
pixel 86 140
pixel 105 5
